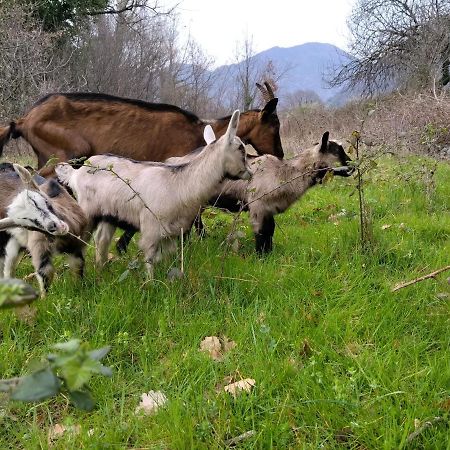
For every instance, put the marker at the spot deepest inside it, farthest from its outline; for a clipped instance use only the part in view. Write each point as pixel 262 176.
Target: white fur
pixel 31 209
pixel 169 195
pixel 209 135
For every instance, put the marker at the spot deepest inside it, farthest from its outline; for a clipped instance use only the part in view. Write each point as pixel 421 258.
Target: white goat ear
pixel 208 135
pixel 26 177
pixel 7 223
pixel 233 126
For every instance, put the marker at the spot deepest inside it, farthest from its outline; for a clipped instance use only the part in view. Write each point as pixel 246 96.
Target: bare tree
pixel 397 43
pixel 26 59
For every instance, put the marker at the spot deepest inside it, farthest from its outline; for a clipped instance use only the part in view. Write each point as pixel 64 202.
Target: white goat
pixel 159 199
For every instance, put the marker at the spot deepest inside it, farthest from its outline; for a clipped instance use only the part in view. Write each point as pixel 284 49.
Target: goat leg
pixel 264 235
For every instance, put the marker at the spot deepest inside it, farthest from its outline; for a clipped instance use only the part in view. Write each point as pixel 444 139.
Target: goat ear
pixel 7 223
pixel 54 188
pixel 26 177
pixel 269 108
pixel 233 126
pixel 39 179
pixel 208 135
pixel 324 141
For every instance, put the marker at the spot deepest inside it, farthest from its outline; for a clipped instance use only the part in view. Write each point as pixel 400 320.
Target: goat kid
pixel 66 213
pixel 169 195
pixel 276 185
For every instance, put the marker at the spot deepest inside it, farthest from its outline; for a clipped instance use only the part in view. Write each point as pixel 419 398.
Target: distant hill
pixel 305 66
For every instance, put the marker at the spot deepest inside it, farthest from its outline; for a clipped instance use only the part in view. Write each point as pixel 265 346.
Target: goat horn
pixel 264 92
pixel 269 90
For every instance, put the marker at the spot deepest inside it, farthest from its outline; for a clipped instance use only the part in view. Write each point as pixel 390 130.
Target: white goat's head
pixel 235 163
pixel 32 209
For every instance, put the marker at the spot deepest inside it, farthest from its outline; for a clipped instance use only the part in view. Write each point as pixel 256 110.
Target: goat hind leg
pixel 41 258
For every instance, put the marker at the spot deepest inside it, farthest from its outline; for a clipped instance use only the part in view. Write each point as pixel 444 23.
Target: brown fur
pixel 70 126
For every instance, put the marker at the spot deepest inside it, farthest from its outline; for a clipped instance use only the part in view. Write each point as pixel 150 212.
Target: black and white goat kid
pixel 52 229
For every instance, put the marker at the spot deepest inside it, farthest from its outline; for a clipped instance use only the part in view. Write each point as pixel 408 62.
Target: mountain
pixel 303 68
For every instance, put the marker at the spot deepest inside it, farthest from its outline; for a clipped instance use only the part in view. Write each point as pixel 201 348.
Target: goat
pixel 163 200
pixel 63 208
pixel 275 185
pixel 76 125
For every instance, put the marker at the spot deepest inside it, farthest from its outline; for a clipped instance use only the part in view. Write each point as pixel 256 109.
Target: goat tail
pixel 6 133
pixel 64 171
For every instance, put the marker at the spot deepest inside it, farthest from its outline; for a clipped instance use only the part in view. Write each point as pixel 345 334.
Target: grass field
pixel 339 361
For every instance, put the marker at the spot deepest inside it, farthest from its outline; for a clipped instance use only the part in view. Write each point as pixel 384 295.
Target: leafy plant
pixel 70 369
pixel 14 293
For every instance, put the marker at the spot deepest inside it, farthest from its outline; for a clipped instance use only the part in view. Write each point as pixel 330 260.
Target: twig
pixel 420 430
pixel 240 438
pixel 417 280
pixel 182 251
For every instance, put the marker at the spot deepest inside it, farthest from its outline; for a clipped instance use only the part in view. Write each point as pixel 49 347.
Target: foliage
pixel 14 293
pixel 64 14
pixel 69 371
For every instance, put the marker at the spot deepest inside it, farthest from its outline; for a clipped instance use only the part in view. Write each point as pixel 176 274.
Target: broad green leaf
pixel 37 386
pixel 78 372
pixel 82 400
pixel 15 292
pixel 99 353
pixel 106 371
pixel 70 346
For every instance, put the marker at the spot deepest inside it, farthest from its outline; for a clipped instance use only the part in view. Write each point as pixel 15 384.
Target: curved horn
pixel 269 90
pixel 264 92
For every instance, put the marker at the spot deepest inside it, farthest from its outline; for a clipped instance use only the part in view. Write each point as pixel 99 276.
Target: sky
pixel 218 26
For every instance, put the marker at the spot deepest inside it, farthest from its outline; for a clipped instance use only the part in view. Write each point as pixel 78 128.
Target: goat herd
pixel 148 170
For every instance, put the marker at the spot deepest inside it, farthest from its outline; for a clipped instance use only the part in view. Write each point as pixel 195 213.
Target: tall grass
pixel 338 359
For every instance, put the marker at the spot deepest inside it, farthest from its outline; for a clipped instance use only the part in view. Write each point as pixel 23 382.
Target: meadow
pixel 339 361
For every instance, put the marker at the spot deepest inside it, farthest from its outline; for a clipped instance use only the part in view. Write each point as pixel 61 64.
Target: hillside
pixel 304 67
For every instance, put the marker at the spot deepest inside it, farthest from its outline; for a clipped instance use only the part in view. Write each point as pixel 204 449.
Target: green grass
pixel 378 360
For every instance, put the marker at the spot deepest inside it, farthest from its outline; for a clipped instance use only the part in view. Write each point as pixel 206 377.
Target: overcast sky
pixel 219 25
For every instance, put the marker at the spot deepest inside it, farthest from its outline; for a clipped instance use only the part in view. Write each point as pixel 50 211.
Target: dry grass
pixel 412 123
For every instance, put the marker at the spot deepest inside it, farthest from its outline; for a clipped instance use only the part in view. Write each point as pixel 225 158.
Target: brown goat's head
pixel 264 135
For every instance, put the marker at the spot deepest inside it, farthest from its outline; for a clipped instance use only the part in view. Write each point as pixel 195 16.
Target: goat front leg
pixel 264 231
pixel 198 224
pixel 102 238
pixel 12 250
pixel 150 245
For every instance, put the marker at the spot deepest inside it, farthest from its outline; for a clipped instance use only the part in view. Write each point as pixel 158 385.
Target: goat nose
pixel 51 227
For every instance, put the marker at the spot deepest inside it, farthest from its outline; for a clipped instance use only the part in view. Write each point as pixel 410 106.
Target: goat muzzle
pixel 344 171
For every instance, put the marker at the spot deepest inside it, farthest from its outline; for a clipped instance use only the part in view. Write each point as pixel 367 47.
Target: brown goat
pixel 68 126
